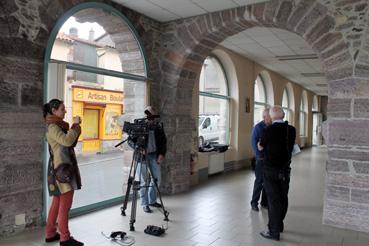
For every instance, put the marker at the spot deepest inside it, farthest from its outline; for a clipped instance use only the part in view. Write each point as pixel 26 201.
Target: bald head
pixel 276 112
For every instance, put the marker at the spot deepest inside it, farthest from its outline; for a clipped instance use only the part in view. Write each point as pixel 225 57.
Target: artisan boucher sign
pixel 97 96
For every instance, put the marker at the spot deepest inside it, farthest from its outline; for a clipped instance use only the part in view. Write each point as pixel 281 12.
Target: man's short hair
pixel 276 112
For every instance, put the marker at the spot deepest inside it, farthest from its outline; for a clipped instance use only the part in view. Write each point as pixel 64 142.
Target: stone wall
pixel 337 31
pixel 25 27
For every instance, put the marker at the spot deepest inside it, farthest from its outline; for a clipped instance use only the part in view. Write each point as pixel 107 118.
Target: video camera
pixel 138 131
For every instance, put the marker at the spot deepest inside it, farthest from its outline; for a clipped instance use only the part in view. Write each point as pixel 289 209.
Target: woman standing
pixel 63 173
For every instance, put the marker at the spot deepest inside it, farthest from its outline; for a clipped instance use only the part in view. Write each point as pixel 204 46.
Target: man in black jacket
pixel 277 142
pixel 154 156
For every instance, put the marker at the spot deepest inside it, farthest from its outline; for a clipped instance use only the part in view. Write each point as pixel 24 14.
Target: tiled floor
pixel 218 214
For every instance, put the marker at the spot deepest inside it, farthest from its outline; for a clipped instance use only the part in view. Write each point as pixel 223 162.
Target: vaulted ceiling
pixel 278 50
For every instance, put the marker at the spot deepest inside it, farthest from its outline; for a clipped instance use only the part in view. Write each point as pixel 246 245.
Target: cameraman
pixel 154 156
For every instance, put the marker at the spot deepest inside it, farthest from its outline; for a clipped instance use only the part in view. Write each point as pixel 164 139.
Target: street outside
pixel 104 176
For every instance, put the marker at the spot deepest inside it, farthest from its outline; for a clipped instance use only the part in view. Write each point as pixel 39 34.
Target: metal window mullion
pixel 207 94
pixel 102 71
pixel 262 104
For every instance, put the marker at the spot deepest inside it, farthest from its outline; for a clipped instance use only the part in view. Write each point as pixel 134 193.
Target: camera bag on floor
pixel 154 230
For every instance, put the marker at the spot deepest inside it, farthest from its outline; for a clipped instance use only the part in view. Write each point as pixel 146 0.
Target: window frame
pixel 227 98
pixel 288 110
pixel 302 116
pixel 263 104
pixel 84 68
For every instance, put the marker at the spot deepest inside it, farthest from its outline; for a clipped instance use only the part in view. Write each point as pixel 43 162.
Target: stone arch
pixel 188 42
pixel 200 35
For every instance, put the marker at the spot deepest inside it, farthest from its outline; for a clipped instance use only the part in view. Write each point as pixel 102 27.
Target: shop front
pixel 99 110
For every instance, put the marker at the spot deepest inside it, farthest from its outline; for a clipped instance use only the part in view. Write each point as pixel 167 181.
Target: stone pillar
pixel 347 177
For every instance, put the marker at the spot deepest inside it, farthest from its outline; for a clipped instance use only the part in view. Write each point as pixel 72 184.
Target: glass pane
pixel 302 105
pixel 285 102
pixel 214 126
pixel 315 104
pixel 302 124
pixel 90 124
pixel 212 77
pixel 287 115
pixel 258 113
pixel 259 91
pixel 86 39
pixel 102 103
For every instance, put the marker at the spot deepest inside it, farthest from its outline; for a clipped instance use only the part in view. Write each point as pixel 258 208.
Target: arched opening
pixel 288 103
pixel 303 118
pixel 213 103
pixel 315 25
pixel 263 95
pixel 99 70
pixel 317 122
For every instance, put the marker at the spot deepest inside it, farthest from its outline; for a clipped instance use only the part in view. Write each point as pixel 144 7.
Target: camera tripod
pixel 135 185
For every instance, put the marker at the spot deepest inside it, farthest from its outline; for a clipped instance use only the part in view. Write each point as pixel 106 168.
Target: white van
pixel 208 129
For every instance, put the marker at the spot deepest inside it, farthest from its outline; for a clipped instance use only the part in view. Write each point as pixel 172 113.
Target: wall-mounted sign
pixel 97 96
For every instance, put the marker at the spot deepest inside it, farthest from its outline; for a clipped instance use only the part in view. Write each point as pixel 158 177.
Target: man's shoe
pixel 71 242
pixel 255 208
pixel 269 235
pixel 147 209
pixel 53 239
pixel 155 204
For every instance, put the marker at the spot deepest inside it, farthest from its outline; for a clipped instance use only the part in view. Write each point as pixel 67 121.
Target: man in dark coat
pixel 154 156
pixel 277 143
pixel 257 133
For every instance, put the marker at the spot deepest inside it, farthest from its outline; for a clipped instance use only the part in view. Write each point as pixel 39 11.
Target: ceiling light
pixel 297 57
pixel 313 75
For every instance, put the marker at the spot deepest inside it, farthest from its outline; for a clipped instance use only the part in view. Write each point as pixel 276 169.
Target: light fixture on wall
pixel 247 105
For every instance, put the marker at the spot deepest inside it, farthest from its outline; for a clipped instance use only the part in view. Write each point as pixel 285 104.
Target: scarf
pixel 53 119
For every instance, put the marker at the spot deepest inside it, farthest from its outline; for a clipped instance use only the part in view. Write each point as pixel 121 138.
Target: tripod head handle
pixel 125 140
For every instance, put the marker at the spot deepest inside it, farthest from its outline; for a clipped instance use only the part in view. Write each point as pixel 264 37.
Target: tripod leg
pixel 129 185
pixel 136 185
pixel 136 188
pixel 154 184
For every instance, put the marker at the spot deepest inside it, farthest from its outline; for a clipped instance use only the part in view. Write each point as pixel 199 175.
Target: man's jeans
pixel 258 185
pixel 148 196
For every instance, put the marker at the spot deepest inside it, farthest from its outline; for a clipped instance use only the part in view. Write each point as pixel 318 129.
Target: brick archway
pixel 188 42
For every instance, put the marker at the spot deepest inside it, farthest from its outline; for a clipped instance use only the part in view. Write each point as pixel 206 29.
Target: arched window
pixel 315 107
pixel 286 105
pixel 100 76
pixel 260 99
pixel 213 103
pixel 303 114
